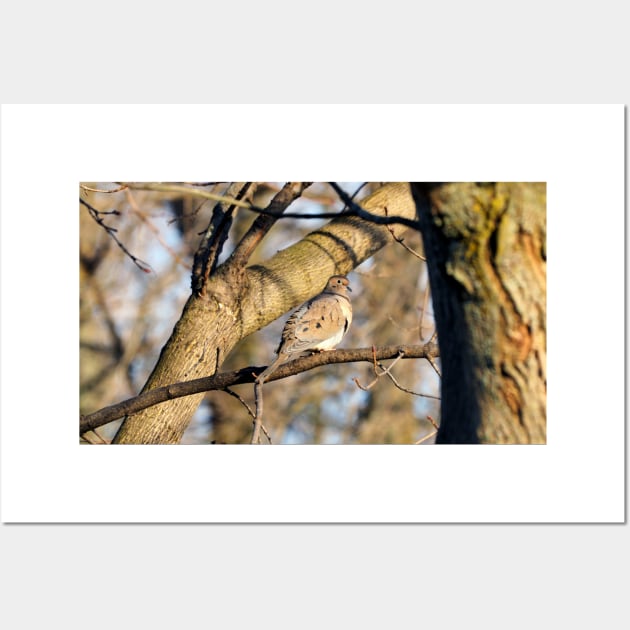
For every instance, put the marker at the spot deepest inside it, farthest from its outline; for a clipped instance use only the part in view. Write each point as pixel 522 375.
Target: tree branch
pixel 264 222
pixel 181 188
pixel 353 208
pixel 355 211
pixel 248 375
pixel 215 235
pixel 96 215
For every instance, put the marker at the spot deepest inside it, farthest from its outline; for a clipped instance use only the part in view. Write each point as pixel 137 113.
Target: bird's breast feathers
pixel 319 325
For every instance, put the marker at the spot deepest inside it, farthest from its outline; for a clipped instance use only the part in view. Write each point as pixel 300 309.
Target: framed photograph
pixel 404 330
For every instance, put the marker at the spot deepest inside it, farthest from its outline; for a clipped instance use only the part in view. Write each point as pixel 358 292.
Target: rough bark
pixel 485 247
pixel 240 301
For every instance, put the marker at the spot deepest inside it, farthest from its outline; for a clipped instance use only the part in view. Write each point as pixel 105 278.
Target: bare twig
pixel 259 410
pixel 406 329
pixel 430 435
pixel 203 183
pixel 231 392
pixel 249 411
pixel 408 391
pixel 183 216
pixel 95 214
pixel 262 426
pixel 365 388
pixel 193 192
pixel 426 437
pixel 100 190
pixel 377 374
pixel 374 363
pixel 387 372
pixel 358 190
pixel 101 439
pixel 401 241
pixel 431 360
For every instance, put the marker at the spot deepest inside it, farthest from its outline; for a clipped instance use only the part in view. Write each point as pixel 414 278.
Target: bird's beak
pixel 349 289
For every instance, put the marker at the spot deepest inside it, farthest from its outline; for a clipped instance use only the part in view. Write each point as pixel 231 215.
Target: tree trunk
pixel 485 247
pixel 240 301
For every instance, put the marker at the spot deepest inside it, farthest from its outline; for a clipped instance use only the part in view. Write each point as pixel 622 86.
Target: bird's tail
pixel 265 374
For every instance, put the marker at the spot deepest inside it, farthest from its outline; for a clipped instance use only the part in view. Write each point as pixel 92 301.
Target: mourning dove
pixel 318 324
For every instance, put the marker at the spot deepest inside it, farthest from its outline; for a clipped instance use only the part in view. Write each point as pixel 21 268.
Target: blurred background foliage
pixel 127 314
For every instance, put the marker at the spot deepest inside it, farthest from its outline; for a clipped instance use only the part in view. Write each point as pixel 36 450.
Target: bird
pixel 317 325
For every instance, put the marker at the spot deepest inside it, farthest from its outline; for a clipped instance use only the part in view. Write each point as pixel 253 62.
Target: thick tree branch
pixel 248 375
pixel 215 235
